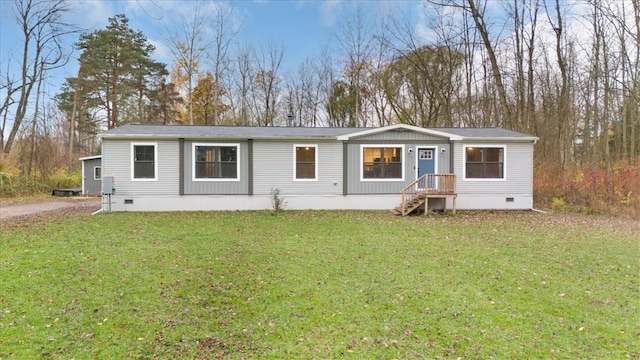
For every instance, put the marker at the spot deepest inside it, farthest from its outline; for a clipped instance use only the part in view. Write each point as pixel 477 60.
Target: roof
pixel 232 132
pixel 134 131
pixel 90 157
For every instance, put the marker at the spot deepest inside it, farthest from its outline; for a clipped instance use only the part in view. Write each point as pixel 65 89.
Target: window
pixel 97 173
pixel 382 163
pixel 484 162
pixel 306 162
pixel 426 154
pixel 144 161
pixel 215 162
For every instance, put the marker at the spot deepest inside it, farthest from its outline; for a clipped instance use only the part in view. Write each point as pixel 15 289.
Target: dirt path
pixel 12 210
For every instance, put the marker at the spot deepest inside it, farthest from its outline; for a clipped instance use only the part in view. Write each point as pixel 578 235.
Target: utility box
pixel 108 185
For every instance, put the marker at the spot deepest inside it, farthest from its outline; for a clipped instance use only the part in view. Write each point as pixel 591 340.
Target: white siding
pixel 116 162
pixel 273 168
pixel 518 172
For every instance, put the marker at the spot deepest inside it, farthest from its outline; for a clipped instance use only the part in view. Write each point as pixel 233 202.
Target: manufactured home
pixel 401 167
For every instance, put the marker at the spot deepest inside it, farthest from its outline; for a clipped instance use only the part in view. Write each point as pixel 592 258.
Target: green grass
pixel 320 285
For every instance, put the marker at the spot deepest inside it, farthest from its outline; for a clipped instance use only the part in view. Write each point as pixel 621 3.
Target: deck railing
pixel 428 185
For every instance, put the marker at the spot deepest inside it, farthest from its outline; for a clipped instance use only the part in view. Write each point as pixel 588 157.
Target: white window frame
pixel 295 162
pixel 485 146
pixel 155 160
pixel 361 157
pixel 193 162
pixel 94 173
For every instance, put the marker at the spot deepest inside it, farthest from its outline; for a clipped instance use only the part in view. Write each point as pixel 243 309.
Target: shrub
pixel 61 178
pixel 594 189
pixel 277 201
pixel 558 204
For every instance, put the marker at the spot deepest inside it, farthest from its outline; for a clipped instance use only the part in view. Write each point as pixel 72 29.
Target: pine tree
pixel 116 70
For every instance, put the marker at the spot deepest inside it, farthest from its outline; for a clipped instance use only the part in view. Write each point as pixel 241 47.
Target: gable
pixel 399 135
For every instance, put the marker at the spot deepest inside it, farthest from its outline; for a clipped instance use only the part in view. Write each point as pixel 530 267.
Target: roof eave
pixel 496 139
pixel 90 157
pixel 228 137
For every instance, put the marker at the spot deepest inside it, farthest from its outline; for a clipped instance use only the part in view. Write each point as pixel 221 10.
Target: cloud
pixel 162 51
pixel 95 14
pixel 328 11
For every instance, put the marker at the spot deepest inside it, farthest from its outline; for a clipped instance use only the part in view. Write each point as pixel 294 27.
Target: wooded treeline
pixel 565 71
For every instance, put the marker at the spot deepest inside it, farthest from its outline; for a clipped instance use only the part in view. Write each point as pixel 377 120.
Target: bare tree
pixel 267 85
pixel 356 44
pixel 245 69
pixel 42 31
pixel 189 47
pixel 224 31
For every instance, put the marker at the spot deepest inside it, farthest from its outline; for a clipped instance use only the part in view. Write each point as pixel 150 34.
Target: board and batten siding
pixel 354 164
pixel 399 136
pixel 518 170
pixel 116 162
pixel 273 168
pixel 224 187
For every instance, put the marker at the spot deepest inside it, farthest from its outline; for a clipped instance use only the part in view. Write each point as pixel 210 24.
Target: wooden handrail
pixel 428 184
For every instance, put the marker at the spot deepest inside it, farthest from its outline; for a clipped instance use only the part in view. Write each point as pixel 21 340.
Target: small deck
pixel 427 187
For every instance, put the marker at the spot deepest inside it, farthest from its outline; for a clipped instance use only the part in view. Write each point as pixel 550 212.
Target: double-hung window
pixel 144 161
pixel 382 163
pixel 305 162
pixel 215 162
pixel 484 162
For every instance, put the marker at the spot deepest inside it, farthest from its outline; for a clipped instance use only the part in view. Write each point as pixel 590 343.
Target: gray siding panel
pixel 356 186
pixel 91 186
pixel 518 168
pixel 215 187
pixel 273 168
pixel 399 136
pixel 116 161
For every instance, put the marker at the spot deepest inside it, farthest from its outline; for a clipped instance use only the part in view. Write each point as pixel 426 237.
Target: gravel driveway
pixel 8 211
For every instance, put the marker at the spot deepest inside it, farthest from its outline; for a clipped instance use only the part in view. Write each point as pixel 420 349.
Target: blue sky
pixel 302 27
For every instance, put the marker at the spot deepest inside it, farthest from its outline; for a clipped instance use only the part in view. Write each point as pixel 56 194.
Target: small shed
pixel 91 175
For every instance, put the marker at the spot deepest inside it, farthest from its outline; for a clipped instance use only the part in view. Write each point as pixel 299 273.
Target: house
pixel 91 175
pixel 166 168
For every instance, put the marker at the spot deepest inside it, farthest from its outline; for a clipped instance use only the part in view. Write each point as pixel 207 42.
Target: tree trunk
pixel 495 69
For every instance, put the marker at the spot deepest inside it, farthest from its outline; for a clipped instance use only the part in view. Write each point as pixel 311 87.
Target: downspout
pixel 345 167
pixel 250 171
pixel 82 174
pixel 451 167
pixel 181 166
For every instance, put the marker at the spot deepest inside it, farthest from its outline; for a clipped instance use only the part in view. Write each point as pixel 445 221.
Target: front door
pixel 426 163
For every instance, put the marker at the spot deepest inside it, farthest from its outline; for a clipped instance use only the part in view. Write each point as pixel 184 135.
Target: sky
pixel 301 27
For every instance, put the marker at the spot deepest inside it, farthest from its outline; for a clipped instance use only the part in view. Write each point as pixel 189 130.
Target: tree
pixel 115 69
pixel 223 33
pixel 207 101
pixel 355 41
pixel 418 85
pixel 341 105
pixel 164 104
pixel 42 31
pixel 266 85
pixel 189 48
